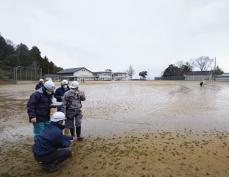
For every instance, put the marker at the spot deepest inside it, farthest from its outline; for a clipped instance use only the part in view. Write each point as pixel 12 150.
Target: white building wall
pixel 104 76
pixel 223 77
pixel 83 73
pixel 120 77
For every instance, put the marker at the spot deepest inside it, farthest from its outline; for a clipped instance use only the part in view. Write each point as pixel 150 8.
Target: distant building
pixel 171 78
pixel 104 75
pixel 198 75
pixel 222 77
pixel 83 74
pixel 80 73
pixel 119 76
pixel 157 78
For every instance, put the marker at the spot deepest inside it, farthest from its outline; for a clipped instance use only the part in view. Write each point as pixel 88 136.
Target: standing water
pixel 118 107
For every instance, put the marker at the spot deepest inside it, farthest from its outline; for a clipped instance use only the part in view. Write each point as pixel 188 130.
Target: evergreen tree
pixel 31 60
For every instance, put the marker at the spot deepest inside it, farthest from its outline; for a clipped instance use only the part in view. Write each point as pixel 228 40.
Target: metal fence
pixel 22 73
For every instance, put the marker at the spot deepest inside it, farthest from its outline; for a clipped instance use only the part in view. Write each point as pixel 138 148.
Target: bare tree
pixel 130 72
pixel 203 63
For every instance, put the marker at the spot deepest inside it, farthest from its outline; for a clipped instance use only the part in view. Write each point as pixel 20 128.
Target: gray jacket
pixel 72 101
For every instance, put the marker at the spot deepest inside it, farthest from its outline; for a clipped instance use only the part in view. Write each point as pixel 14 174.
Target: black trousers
pixel 56 157
pixel 78 131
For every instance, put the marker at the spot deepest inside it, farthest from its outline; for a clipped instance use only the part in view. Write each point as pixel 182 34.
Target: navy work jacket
pixel 39 105
pixel 50 140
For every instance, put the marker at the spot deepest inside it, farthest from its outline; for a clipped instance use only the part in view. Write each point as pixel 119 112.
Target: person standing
pixel 38 107
pixel 51 147
pixel 202 83
pixel 72 109
pixel 59 93
pixel 39 84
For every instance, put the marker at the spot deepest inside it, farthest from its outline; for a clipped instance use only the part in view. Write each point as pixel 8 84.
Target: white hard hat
pixel 50 86
pixel 74 85
pixel 64 82
pixel 41 80
pixel 57 116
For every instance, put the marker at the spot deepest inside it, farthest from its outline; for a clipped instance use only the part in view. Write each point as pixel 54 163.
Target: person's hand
pixel 34 120
pixel 73 139
pixel 82 96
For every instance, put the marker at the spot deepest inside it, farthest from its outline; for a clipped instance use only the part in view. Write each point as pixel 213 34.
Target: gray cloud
pixel 114 34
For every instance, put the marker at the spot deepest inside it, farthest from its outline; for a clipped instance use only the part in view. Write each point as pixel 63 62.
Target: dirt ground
pixel 158 128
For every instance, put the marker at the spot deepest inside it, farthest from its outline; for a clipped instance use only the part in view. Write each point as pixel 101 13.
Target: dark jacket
pixel 39 85
pixel 50 140
pixel 39 105
pixel 60 93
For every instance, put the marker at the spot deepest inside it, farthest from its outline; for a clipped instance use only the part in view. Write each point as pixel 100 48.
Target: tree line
pixel 203 63
pixel 12 56
pixel 130 72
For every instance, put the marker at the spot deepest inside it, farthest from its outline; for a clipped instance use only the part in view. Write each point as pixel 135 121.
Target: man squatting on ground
pixel 72 109
pixel 59 93
pixel 38 107
pixel 51 146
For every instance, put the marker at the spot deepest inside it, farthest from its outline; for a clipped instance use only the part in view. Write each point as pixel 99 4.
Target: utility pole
pixel 215 69
pixel 26 74
pixel 16 72
pixel 20 73
pixel 35 72
pixel 41 73
pixel 31 74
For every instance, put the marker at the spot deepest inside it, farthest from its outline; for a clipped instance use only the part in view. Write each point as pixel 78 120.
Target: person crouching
pixel 51 146
pixel 202 83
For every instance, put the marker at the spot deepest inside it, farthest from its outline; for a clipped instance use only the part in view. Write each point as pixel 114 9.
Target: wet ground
pixel 114 109
pixel 117 107
pixel 156 105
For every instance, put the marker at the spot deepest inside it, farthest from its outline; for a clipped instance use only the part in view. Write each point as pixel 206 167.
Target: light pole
pixel 16 72
pixel 41 73
pixel 20 69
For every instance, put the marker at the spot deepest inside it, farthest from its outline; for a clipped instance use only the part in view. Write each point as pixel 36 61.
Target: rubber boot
pixel 78 133
pixel 49 167
pixel 72 130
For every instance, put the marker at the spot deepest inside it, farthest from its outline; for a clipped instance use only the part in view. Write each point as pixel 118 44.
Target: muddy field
pixel 149 128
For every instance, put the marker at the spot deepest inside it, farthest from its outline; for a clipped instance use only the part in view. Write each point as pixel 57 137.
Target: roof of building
pixel 108 70
pixel 198 73
pixel 224 74
pixel 71 70
pixel 51 75
pixel 100 72
pixel 119 73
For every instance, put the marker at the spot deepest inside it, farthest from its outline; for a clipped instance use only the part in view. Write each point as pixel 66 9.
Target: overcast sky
pixel 101 34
